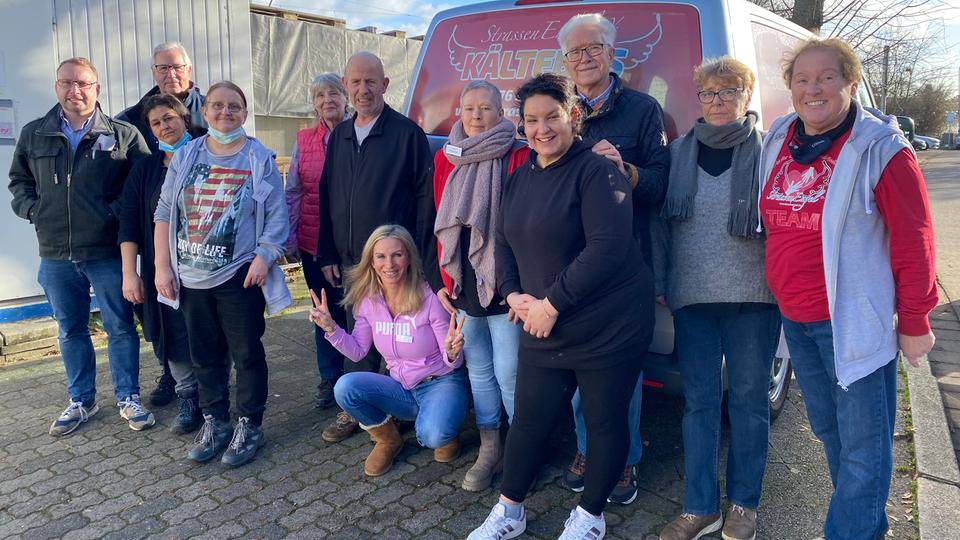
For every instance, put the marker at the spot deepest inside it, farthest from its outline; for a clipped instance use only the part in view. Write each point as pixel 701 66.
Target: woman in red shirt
pixel 469 172
pixel 850 260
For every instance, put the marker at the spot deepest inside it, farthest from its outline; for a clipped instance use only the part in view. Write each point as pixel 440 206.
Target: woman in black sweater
pixel 570 269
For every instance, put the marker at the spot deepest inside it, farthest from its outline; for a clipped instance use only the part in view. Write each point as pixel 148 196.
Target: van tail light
pixel 532 2
pixel 652 384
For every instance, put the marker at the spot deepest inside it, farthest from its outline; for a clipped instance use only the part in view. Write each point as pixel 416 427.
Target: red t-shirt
pixel 791 206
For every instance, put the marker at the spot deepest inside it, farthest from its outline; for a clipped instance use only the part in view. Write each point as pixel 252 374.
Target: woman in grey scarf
pixel 708 265
pixel 469 172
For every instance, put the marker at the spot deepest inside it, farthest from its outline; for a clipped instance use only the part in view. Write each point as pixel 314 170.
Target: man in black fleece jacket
pixel 378 170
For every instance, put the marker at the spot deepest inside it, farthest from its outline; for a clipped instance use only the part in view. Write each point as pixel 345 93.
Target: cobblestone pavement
pixel 108 481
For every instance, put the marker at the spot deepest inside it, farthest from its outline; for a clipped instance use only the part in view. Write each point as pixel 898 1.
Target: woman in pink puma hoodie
pixel 396 312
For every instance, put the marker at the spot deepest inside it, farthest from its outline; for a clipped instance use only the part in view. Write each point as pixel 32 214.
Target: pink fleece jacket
pixel 411 345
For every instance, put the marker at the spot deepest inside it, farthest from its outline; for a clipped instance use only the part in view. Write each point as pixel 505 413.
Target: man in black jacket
pixel 378 170
pixel 627 127
pixel 66 178
pixel 173 73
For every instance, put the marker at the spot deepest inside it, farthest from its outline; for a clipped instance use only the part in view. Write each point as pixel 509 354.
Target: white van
pixel 658 45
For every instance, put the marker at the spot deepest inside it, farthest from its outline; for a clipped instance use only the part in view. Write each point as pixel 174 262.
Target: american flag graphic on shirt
pixel 210 206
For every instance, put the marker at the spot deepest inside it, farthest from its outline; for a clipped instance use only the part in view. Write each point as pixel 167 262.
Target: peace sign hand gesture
pixel 320 312
pixel 453 343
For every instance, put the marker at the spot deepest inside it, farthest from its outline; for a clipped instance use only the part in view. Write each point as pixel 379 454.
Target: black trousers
pixel 227 322
pixel 541 394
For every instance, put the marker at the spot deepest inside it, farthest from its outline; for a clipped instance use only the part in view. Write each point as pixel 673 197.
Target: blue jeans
pixel 633 420
pixel 855 426
pixel 438 405
pixel 67 286
pixel 490 347
pixel 747 335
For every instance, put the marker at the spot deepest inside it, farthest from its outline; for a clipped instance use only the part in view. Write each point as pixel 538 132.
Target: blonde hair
pixel 725 68
pixel 362 281
pixel 850 66
pixel 79 61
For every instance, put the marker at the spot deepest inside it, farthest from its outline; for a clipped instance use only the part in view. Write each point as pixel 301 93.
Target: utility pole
pixel 886 72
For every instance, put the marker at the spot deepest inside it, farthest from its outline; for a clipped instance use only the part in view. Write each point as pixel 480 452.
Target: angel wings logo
pixel 795 186
pixel 503 60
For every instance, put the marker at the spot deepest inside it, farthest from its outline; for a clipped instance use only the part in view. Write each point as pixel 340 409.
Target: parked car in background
pixel 918 144
pixel 907 126
pixel 933 143
pixel 658 45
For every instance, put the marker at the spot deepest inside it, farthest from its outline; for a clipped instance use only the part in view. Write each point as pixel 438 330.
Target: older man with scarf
pixel 708 259
pixel 469 172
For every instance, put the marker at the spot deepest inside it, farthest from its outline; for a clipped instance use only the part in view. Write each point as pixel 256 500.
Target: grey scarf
pixel 744 138
pixel 471 198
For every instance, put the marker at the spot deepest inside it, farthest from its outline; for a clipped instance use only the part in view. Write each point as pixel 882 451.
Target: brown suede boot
pixel 489 461
pixel 447 452
pixel 387 444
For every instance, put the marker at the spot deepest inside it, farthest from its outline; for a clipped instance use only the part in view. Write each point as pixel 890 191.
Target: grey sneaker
pixel 247 438
pixel 582 525
pixel 71 418
pixel 625 492
pixel 740 524
pixel 214 436
pixel 690 526
pixel 137 417
pixel 573 475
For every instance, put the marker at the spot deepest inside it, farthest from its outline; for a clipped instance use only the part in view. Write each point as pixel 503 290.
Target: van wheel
pixel 780 375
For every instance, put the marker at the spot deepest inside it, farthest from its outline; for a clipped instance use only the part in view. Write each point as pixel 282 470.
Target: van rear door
pixel 657 47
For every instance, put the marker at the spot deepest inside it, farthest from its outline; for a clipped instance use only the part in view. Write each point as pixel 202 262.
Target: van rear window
pixel 658 45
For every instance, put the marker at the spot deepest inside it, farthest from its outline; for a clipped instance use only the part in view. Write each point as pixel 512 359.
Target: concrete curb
pixel 938 491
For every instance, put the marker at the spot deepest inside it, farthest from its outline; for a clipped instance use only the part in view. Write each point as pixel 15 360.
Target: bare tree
pixel 928 107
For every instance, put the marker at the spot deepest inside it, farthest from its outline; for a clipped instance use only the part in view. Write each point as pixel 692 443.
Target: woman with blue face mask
pixel 163 327
pixel 221 224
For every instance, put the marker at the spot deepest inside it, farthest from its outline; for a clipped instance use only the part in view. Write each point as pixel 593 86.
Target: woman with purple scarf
pixel 469 172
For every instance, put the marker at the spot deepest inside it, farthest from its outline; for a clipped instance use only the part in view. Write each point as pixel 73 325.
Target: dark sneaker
pixel 740 524
pixel 573 476
pixel 189 417
pixel 70 419
pixel 691 527
pixel 247 438
pixel 214 436
pixel 625 492
pixel 324 396
pixel 137 417
pixel 165 391
pixel 341 428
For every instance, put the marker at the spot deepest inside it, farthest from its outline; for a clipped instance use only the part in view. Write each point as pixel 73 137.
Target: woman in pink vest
pixel 329 100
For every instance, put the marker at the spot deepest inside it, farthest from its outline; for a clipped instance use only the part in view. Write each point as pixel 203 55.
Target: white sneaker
pixel 582 525
pixel 498 526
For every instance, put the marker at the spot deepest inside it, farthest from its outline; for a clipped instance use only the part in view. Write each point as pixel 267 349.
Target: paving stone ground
pixel 106 481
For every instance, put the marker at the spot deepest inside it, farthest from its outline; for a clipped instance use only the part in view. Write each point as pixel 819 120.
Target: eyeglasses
pixel 594 50
pixel 67 84
pixel 726 94
pixel 165 68
pixel 230 107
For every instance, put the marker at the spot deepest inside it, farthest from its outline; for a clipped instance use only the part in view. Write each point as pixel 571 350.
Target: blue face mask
pixel 168 148
pixel 226 138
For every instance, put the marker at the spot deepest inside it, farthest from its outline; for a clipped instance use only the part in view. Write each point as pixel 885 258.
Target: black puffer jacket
pixel 633 122
pixel 72 198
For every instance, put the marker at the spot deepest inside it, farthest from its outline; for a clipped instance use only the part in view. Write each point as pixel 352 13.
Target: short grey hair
pixel 607 31
pixel 329 79
pixel 489 87
pixel 173 46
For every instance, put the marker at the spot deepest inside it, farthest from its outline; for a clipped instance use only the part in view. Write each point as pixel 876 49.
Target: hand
pixel 320 312
pixel 132 288
pixel 257 274
pixel 453 343
pixel 540 319
pixel 916 347
pixel 662 300
pixel 165 282
pixel 609 151
pixel 444 296
pixel 331 273
pixel 519 305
